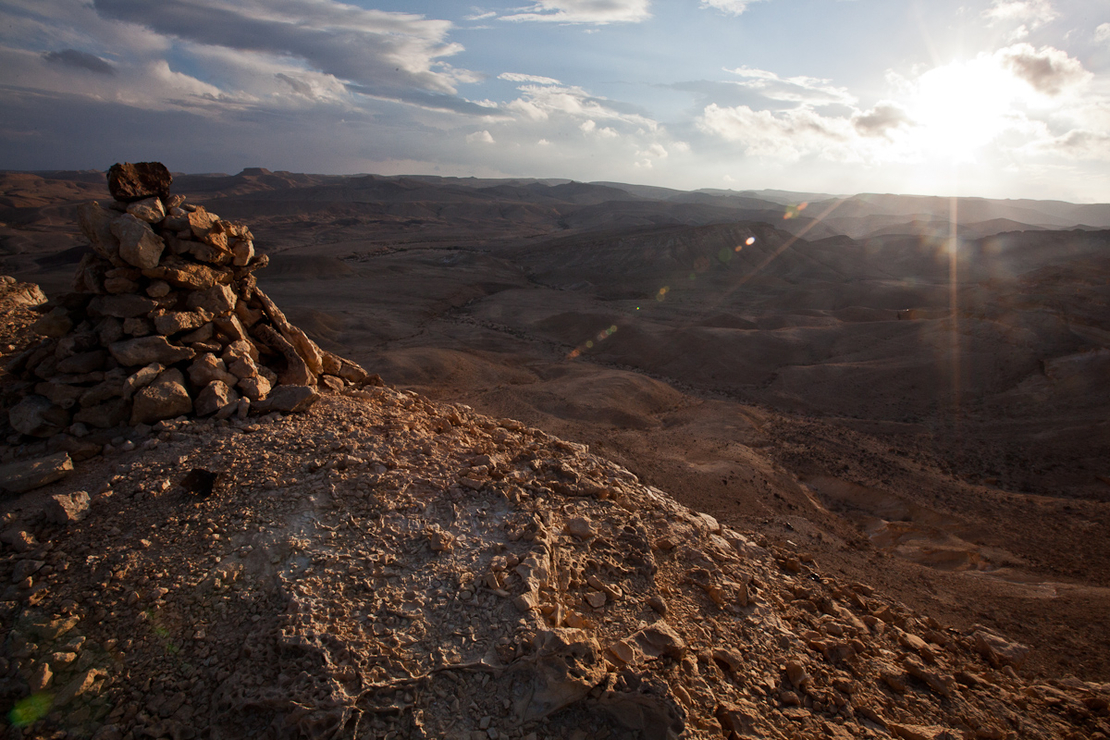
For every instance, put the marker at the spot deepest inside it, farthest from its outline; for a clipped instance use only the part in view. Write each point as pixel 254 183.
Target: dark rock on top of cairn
pixel 128 182
pixel 166 319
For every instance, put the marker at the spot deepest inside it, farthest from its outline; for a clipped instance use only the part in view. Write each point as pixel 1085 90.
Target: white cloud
pixel 799 89
pixel 599 12
pixel 1048 70
pixel 541 102
pixel 534 79
pixel 480 137
pixel 787 135
pixel 589 127
pixel 1034 12
pixel 731 7
pixel 1102 32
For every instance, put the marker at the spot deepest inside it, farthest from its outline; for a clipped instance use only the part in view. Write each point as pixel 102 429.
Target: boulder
pixel 165 398
pixel 128 182
pixel 255 389
pixel 215 396
pixel 138 244
pixel 27 475
pixel 149 210
pixel 121 306
pixel 287 399
pixel 54 324
pixel 37 416
pixel 201 221
pixel 188 275
pixel 105 415
pixel 998 650
pixel 208 368
pixel 67 508
pixel 83 362
pixel 147 350
pixel 96 225
pixel 174 322
pixel 217 300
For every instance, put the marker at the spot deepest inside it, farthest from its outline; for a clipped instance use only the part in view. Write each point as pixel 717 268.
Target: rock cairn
pixel 166 319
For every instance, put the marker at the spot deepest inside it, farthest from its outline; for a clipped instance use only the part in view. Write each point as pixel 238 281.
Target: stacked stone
pixel 166 319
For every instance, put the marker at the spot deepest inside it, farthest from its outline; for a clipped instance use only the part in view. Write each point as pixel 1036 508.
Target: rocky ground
pixel 387 566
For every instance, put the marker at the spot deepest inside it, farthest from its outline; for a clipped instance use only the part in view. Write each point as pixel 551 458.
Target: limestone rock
pixel 287 399
pixel 255 389
pixel 96 225
pixel 67 508
pixel 165 398
pixel 660 639
pixel 218 300
pixel 24 476
pixel 147 350
pixel 188 275
pixel 567 666
pixel 54 324
pixel 215 396
pixel 148 209
pixel 104 415
pixel 998 650
pixel 141 379
pixel 208 368
pixel 175 322
pixel 296 371
pixel 121 306
pixel 138 244
pixel 201 221
pixel 37 416
pixel 128 182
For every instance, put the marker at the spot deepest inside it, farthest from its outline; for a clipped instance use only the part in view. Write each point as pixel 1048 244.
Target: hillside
pixel 903 509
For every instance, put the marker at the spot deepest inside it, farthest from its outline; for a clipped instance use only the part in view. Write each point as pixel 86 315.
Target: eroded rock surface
pixel 385 564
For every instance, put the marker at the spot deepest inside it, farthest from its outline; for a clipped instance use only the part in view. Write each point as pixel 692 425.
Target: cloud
pixel 480 137
pixel 784 135
pixel 599 12
pixel 1102 33
pixel 1077 144
pixel 541 102
pixel 381 53
pixel 535 79
pixel 1048 70
pixel 731 7
pixel 800 89
pixel 1034 12
pixel 80 60
pixel 590 127
pixel 299 86
pixel 880 120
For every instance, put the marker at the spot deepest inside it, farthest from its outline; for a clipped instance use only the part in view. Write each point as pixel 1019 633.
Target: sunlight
pixel 961 107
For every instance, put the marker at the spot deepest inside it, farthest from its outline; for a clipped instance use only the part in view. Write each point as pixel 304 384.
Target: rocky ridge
pixel 420 570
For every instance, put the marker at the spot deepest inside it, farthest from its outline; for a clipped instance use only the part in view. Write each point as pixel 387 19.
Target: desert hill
pixel 815 390
pixel 389 566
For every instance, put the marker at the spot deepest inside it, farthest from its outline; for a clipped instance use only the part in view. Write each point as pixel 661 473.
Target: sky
pixel 992 98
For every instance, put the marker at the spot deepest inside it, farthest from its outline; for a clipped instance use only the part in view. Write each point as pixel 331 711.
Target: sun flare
pixel 961 107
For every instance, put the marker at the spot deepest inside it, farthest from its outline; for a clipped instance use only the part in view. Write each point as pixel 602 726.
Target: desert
pixel 570 460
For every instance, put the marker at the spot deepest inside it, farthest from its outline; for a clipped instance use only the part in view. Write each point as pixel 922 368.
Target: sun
pixel 962 106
